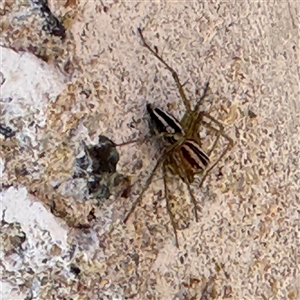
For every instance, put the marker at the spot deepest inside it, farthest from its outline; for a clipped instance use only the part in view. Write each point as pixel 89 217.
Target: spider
pixel 183 155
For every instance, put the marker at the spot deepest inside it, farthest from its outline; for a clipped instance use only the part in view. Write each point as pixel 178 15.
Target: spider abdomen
pixel 193 156
pixel 186 160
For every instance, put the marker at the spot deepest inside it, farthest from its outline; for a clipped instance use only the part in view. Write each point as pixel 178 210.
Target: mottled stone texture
pixel 86 75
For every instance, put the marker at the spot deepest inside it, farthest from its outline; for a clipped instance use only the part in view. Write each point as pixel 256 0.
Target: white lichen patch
pixel 28 251
pixel 36 216
pixel 97 81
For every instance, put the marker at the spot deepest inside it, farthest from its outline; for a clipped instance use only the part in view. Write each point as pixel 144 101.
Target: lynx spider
pixel 190 123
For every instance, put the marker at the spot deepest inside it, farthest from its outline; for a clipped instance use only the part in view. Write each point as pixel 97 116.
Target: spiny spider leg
pixel 168 204
pixel 149 179
pixel 220 133
pixel 215 121
pixel 158 136
pixel 192 121
pixel 183 174
pixel 215 142
pixel 194 201
pixel 147 184
pixel 129 142
pixel 199 101
pixel 206 172
pixel 174 74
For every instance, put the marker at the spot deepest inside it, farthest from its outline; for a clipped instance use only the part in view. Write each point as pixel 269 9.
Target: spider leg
pixel 147 184
pixel 215 142
pixel 195 118
pixel 171 215
pixel 199 101
pixel 130 142
pixel 142 140
pixel 160 162
pixel 194 202
pixel 181 171
pixel 206 172
pixel 220 133
pixel 172 71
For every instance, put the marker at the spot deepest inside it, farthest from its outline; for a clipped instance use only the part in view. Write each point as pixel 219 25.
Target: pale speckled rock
pixel 32 216
pixel 42 233
pixel 245 244
pixel 29 85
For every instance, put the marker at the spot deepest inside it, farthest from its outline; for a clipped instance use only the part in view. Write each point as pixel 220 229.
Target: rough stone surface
pixel 57 243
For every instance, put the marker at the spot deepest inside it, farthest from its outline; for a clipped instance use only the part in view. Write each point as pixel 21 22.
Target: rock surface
pixel 60 90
